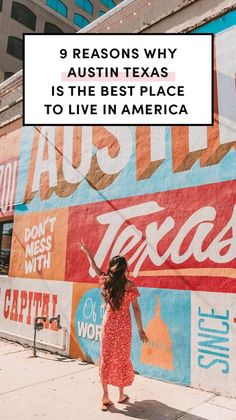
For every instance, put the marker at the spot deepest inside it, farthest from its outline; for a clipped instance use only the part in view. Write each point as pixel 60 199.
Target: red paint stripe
pixel 206 284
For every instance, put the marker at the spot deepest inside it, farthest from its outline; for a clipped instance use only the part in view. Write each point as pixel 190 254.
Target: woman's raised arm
pixel 138 318
pixel 91 259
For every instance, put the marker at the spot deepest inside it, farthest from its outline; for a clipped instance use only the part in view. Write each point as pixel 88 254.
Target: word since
pixel 24 305
pixel 213 344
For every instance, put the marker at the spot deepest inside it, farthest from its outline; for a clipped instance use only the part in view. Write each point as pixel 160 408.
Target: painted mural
pixel 9 162
pixel 21 300
pixel 170 239
pixel 163 356
pixel 165 197
pixel 39 245
pixel 213 340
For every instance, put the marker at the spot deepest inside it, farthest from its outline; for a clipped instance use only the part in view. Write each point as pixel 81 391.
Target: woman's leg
pixel 121 393
pixel 105 397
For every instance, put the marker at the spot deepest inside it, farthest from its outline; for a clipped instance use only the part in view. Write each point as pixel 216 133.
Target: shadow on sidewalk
pixel 152 409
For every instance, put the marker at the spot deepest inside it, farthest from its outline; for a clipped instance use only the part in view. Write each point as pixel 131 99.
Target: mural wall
pixel 21 300
pixel 163 197
pixel 9 161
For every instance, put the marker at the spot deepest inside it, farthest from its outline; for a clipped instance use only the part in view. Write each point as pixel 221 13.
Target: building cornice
pixel 55 14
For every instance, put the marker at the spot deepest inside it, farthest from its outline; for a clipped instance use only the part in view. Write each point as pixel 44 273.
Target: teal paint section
pixel 170 338
pixel 173 321
pixel 218 25
pixel 88 320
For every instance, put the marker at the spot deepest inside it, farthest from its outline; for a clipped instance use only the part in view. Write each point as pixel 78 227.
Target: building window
pixel 8 74
pixel 85 5
pixel 59 6
pixel 101 13
pixel 0 5
pixel 108 3
pixel 6 229
pixel 22 14
pixel 80 20
pixel 15 47
pixel 52 29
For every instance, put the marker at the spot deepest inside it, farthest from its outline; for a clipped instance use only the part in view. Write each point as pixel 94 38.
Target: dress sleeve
pixel 133 293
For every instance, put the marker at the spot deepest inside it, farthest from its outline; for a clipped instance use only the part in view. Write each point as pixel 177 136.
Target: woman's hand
pixel 143 336
pixel 94 266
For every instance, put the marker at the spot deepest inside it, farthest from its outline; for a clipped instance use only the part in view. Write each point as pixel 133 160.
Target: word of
pixel 89 310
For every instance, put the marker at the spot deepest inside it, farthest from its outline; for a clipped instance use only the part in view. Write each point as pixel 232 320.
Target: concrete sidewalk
pixel 54 387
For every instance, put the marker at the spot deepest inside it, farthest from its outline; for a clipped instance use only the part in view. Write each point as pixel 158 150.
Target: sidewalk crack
pixel 192 408
pixel 12 352
pixel 221 406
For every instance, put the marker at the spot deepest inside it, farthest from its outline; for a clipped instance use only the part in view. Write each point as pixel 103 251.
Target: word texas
pixel 122 236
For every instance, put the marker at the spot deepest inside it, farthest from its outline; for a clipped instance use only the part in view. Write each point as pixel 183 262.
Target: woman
pixel 115 366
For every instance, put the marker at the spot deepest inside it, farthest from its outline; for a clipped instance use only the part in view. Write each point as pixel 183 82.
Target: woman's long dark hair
pixel 114 286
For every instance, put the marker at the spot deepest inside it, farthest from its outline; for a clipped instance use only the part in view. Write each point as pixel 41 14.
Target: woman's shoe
pixel 126 397
pixel 106 405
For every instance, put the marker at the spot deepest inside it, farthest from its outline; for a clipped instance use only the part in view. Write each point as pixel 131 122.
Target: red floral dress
pixel 115 366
